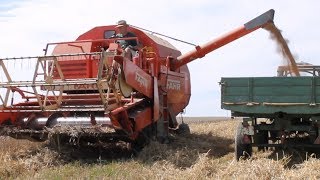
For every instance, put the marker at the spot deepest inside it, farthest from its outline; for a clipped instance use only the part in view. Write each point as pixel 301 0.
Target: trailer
pixel 277 111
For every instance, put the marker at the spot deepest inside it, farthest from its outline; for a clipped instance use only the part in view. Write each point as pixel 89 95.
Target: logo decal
pixel 141 80
pixel 173 85
pixel 84 86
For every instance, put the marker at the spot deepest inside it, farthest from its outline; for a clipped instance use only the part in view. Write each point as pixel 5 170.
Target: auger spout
pixel 201 51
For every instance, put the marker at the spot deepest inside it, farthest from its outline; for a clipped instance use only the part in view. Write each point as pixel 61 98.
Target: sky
pixel 27 25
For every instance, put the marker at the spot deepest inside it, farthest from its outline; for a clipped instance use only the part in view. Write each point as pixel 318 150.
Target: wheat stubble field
pixel 207 153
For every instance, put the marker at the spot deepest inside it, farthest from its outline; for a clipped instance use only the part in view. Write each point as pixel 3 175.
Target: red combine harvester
pixel 88 91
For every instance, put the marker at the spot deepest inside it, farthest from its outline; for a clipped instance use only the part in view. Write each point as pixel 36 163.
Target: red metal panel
pixel 4 116
pixel 143 119
pixel 74 66
pixel 162 47
pixel 178 87
pixel 137 78
pixel 174 86
pixel 72 48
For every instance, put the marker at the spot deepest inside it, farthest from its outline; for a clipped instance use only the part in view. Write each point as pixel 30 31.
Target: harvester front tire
pixel 183 129
pixel 143 139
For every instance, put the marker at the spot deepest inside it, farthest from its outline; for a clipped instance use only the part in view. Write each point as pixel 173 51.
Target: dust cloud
pixel 282 46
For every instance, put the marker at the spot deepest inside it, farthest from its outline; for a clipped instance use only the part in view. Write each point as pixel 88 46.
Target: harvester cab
pixel 90 88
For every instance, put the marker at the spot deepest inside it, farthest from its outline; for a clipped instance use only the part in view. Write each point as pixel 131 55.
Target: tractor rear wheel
pixel 241 149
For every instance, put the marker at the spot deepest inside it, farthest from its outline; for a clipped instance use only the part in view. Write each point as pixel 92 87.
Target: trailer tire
pixel 261 138
pixel 241 150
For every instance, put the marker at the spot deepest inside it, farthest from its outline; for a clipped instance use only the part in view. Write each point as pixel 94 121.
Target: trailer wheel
pixel 261 138
pixel 241 149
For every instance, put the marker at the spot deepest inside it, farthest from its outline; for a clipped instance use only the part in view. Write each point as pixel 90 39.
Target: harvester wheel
pixel 183 129
pixel 137 145
pixel 143 139
pixel 241 149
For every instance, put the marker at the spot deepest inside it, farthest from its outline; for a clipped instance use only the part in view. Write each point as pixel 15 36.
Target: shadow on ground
pixel 185 151
pixel 294 156
pixel 182 151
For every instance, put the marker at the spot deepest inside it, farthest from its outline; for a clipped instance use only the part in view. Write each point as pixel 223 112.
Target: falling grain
pixel 283 48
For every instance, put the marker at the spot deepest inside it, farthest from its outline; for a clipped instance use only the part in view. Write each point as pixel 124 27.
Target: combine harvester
pixel 87 91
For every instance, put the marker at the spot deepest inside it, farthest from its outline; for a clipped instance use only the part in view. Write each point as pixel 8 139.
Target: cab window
pixel 108 34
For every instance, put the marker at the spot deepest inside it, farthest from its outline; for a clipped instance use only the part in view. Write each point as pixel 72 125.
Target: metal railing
pixel 49 85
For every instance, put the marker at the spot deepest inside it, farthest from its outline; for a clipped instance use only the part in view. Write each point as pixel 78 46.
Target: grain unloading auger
pixel 87 90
